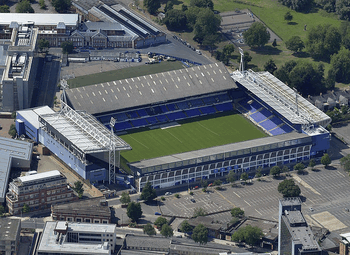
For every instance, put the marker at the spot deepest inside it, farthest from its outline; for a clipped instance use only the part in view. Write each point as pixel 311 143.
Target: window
pixel 105 222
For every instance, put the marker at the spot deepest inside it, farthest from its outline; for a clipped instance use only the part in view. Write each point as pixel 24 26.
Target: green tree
pixel 295 44
pixel 149 229
pixel 169 6
pixel 2 210
pixel 125 198
pixel 24 7
pixel 231 177
pixel 199 211
pixel 288 17
pixel 134 211
pixel 340 66
pixel 191 16
pixel 258 173
pixel 248 234
pixel 184 7
pixel 237 212
pixel 206 26
pixel 67 47
pixel 288 188
pixel 312 163
pixel 345 162
pixel 175 20
pixel 78 187
pixel 200 234
pixel 326 160
pixel 43 44
pixel 61 6
pixel 160 221
pixel 270 66
pixel 202 4
pixel 148 193
pixel 300 168
pixel 25 208
pixel 4 9
pixel 166 231
pixel 297 5
pixel 12 132
pixel 275 171
pixel 204 183
pixel 185 227
pixel 42 4
pixel 246 58
pixel 327 5
pixel 13 115
pixel 342 8
pixel 285 169
pixel 244 176
pixel 257 35
pixel 152 5
pixel 217 182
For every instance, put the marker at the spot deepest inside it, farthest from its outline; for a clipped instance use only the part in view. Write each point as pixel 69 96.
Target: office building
pixel 10 230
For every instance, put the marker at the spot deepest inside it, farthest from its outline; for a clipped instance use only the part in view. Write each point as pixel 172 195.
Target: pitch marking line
pixel 139 142
pixel 207 129
pixel 174 136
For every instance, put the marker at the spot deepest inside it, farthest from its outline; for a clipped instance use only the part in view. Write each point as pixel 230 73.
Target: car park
pixel 311 209
pixel 157 213
pixel 168 193
pixel 192 200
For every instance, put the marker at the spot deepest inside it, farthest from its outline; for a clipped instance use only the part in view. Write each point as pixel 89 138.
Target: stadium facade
pixel 295 127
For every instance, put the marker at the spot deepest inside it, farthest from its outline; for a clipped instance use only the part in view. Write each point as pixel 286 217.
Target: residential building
pixel 295 236
pixel 344 244
pixel 77 238
pixel 10 230
pixel 94 210
pixel 38 191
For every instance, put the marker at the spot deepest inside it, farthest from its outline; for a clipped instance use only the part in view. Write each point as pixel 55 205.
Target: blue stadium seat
pixel 152 120
pixel 276 120
pixel 149 112
pixel 164 108
pixel 207 110
pixel 287 128
pixel 162 118
pixel 120 116
pixel 224 97
pixel 209 100
pixel 172 107
pixel 260 116
pixel 176 116
pixel 183 105
pixel 139 123
pixel 196 102
pixel 193 112
pixel 105 119
pixel 277 131
pixel 121 126
pixel 268 124
pixel 132 115
pixel 142 112
pixel 224 107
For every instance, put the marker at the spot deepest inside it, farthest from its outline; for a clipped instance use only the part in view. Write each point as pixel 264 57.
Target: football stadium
pixel 201 122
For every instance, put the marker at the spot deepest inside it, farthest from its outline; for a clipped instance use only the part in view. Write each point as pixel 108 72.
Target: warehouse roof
pixel 149 89
pixel 5 167
pixel 9 229
pixel 39 18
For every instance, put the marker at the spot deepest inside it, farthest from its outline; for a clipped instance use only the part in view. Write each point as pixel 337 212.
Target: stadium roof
pixel 39 18
pixel 149 89
pixel 255 143
pixel 281 98
pixel 82 130
pixel 32 115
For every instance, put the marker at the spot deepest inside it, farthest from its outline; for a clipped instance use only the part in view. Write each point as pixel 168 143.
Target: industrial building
pixel 13 154
pixel 38 191
pixel 10 230
pixel 61 237
pixel 295 236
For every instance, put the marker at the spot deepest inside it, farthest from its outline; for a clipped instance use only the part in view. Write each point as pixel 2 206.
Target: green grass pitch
pixel 192 135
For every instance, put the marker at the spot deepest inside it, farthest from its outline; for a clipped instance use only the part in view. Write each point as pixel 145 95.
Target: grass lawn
pixel 124 73
pixel 191 135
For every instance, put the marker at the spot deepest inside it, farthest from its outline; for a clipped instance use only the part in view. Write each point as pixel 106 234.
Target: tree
pixel 191 16
pixel 300 168
pixel 237 212
pixel 61 5
pixel 342 8
pixel 175 20
pixel 200 234
pixel 204 183
pixel 148 193
pixel 345 162
pixel 248 234
pixel 149 230
pixel 12 132
pixel 25 208
pixel 134 211
pixel 246 58
pixel 185 227
pixel 270 66
pixel 323 41
pixel 43 44
pixel 312 163
pixel 198 211
pixel 217 182
pixel 295 44
pixel 2 210
pixel 231 177
pixel 24 7
pixel 327 5
pixel 67 47
pixel 206 26
pixel 275 171
pixel 78 187
pixel 288 16
pixel 258 173
pixel 166 231
pixel 4 9
pixel 202 4
pixel 257 35
pixel 169 6
pixel 160 221
pixel 244 176
pixel 125 198
pixel 285 169
pixel 42 4
pixel 340 66
pixel 288 188
pixel 297 5
pixel 326 160
pixel 184 7
pixel 152 5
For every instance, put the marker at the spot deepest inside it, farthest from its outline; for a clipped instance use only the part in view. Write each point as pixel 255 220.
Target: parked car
pixel 168 193
pixel 192 200
pixel 157 213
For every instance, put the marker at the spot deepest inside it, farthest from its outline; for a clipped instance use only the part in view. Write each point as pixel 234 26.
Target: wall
pixel 29 129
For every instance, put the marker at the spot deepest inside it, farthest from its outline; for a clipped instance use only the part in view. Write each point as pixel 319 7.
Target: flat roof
pixel 32 115
pixel 150 89
pixel 16 148
pixel 9 229
pixel 219 149
pixel 39 18
pixel 5 167
pixel 36 177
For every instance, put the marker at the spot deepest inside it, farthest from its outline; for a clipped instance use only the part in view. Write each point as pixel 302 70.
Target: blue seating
pixel 258 116
pixel 139 123
pixel 193 112
pixel 268 124
pixel 153 110
pixel 176 116
pixel 209 100
pixel 276 120
pixel 142 112
pixel 287 128
pixel 224 107
pixel 104 119
pixel 196 102
pixel 152 120
pixel 120 116
pixel 164 108
pixel 183 105
pixel 172 107
pixel 224 97
pixel 132 115
pixel 207 110
pixel 162 118
pixel 121 126
pixel 277 131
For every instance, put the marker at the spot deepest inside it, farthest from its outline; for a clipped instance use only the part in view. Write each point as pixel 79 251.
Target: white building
pixel 77 238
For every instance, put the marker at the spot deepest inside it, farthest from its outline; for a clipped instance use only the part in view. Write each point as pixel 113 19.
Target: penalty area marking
pixel 139 142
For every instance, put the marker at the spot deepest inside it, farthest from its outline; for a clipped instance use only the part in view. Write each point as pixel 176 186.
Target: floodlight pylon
pixel 64 86
pixel 241 65
pixel 111 153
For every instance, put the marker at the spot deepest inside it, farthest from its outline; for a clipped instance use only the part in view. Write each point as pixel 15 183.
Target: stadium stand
pixel 209 100
pixel 224 107
pixel 152 120
pixel 260 116
pixel 196 102
pixel 207 110
pixel 121 126
pixel 139 123
pixel 142 113
pixel 176 116
pixel 164 108
pixel 183 105
pixel 162 118
pixel 172 107
pixel 132 115
pixel 193 112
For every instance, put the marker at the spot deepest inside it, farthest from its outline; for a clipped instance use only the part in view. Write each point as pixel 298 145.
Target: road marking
pixel 224 198
pixel 236 194
pixel 258 212
pixel 247 202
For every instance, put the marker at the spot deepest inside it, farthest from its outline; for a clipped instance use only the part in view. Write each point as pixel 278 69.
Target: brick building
pixel 38 191
pixel 94 210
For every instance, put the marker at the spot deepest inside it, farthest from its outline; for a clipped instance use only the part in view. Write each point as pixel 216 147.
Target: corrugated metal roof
pixel 5 167
pixel 32 115
pixel 39 18
pixel 45 175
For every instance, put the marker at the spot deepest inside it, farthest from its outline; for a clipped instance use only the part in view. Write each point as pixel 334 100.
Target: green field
pixel 124 73
pixel 191 135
